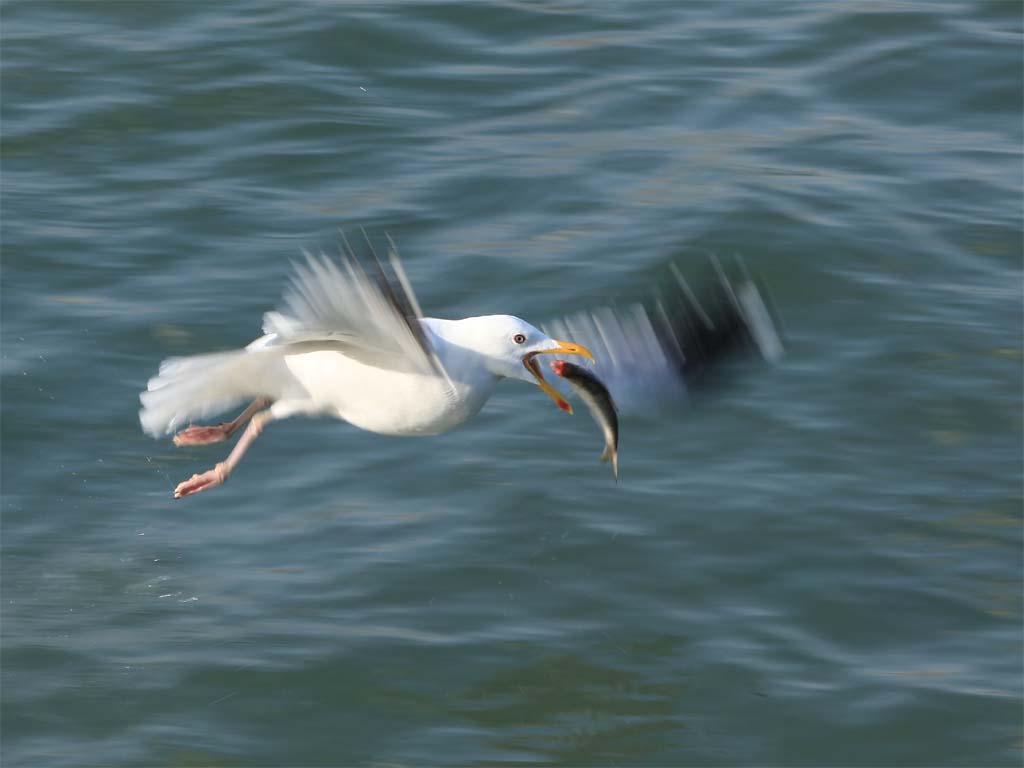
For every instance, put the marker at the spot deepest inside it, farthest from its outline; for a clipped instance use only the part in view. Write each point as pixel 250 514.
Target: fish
pixel 602 407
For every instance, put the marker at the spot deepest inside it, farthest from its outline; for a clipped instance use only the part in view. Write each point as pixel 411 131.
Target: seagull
pixel 351 342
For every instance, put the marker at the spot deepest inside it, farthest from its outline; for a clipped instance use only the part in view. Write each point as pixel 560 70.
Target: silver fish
pixel 599 401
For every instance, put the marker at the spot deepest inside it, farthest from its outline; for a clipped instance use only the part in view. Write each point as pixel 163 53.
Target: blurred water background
pixel 822 565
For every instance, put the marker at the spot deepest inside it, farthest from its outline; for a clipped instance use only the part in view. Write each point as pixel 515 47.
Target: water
pixel 823 565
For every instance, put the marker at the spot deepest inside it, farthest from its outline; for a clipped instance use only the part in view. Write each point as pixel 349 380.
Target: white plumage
pixel 354 346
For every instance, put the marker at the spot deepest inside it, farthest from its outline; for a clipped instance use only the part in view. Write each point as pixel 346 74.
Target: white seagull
pixel 353 344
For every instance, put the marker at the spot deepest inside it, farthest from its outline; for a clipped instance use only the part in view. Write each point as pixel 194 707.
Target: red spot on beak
pixel 565 406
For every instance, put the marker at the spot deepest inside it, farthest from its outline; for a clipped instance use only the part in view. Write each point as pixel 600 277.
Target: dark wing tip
pixel 700 327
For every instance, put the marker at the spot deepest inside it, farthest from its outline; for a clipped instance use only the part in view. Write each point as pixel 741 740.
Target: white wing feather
pixel 339 305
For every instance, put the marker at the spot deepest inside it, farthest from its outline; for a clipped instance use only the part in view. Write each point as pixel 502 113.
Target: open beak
pixel 563 348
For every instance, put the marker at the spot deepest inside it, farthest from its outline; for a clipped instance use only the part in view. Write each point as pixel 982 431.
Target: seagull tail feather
pixel 202 386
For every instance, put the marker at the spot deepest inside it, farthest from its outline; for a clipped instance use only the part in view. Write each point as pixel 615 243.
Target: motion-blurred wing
pixel 368 313
pixel 650 355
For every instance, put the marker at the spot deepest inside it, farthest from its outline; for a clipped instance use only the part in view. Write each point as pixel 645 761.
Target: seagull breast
pixel 392 401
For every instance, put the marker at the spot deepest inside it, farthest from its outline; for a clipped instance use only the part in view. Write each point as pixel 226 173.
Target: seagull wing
pixel 369 313
pixel 650 355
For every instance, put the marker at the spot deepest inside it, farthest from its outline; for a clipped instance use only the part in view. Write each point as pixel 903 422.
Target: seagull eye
pixel 519 338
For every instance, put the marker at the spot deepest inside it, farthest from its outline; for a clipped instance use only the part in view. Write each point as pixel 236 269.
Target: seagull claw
pixel 202 435
pixel 209 479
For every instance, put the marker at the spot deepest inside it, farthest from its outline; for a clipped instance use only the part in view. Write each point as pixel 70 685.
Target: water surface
pixel 820 566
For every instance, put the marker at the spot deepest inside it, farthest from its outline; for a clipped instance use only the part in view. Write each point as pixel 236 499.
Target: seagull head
pixel 510 346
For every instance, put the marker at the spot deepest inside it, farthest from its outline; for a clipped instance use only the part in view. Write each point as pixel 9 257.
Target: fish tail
pixel 613 455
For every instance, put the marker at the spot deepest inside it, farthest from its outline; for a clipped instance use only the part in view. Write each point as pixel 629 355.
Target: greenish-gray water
pixel 821 565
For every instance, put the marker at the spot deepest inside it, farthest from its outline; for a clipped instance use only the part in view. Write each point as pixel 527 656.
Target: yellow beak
pixel 563 348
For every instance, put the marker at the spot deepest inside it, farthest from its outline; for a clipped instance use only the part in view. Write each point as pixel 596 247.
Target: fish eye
pixel 519 338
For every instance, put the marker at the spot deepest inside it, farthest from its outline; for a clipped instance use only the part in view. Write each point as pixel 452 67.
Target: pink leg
pixel 219 474
pixel 201 435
